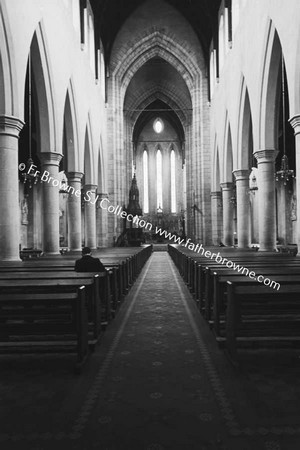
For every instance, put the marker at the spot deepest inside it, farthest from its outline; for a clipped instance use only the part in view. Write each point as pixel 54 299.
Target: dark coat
pixel 89 264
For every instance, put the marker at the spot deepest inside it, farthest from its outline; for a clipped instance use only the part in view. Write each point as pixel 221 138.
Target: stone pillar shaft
pixel 50 167
pixel 101 221
pixel 227 192
pixel 295 122
pixel 216 213
pixel 243 207
pixel 90 215
pixel 10 128
pixel 74 210
pixel 266 199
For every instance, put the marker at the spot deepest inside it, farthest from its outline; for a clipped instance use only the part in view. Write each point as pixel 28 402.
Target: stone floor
pixel 157 381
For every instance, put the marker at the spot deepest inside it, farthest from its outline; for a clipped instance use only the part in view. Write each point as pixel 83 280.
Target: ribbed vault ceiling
pixel 110 15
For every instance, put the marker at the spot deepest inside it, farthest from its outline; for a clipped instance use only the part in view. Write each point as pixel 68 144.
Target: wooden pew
pixel 215 278
pixel 191 265
pixel 44 322
pixel 123 266
pixel 188 262
pixel 114 273
pixel 258 315
pixel 98 311
pixel 202 268
pixel 220 294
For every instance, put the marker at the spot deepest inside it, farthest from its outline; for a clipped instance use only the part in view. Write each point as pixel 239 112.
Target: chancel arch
pixel 170 69
pixel 157 136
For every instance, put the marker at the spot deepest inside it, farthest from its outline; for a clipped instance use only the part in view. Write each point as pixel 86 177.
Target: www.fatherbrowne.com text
pixel 118 211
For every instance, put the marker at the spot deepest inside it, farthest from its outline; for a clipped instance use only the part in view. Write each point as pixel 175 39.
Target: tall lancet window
pixel 159 178
pixel 173 183
pixel 146 183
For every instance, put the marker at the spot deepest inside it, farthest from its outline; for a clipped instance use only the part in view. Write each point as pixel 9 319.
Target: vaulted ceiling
pixel 110 15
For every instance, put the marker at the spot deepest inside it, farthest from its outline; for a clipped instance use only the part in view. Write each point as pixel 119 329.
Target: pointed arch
pixel 8 95
pixel 88 156
pixel 217 181
pixel 71 158
pixel 156 44
pixel 270 90
pixel 245 133
pixel 183 111
pixel 228 155
pixel 296 105
pixel 101 182
pixel 43 90
pixel 216 169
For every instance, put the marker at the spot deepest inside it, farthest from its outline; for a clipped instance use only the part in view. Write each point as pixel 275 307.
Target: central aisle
pixel 157 381
pixel 157 388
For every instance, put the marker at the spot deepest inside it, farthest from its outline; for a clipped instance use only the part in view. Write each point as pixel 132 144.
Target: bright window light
pixel 159 178
pixel 173 183
pixel 158 125
pixel 146 192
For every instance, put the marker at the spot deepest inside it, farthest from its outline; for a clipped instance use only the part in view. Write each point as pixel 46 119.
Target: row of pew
pixel 242 312
pixel 45 306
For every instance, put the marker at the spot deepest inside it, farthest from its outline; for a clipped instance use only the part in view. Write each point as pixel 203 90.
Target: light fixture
pixel 28 175
pixel 284 173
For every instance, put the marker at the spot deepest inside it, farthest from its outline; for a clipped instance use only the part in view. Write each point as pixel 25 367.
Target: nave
pixel 156 381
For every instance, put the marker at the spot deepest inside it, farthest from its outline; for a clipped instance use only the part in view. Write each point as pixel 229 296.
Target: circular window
pixel 158 125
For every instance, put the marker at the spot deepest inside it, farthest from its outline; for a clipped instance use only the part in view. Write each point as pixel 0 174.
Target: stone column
pixel 295 122
pixel 10 128
pixel 266 199
pixel 89 199
pixel 227 193
pixel 101 221
pixel 50 163
pixel 243 207
pixel 74 210
pixel 216 216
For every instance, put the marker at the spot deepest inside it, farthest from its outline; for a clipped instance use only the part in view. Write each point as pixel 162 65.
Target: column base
pixel 76 251
pixel 51 255
pixel 12 258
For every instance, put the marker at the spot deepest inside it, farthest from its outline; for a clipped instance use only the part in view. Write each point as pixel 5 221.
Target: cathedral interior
pixel 163 135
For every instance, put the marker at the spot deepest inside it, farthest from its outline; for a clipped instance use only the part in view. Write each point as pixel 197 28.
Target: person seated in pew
pixel 87 263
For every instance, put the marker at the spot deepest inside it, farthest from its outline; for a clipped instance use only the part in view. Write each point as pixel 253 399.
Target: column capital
pixel 295 122
pixel 10 125
pixel 90 187
pixel 50 158
pixel 216 194
pixel 102 195
pixel 74 176
pixel 241 174
pixel 266 155
pixel 226 186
